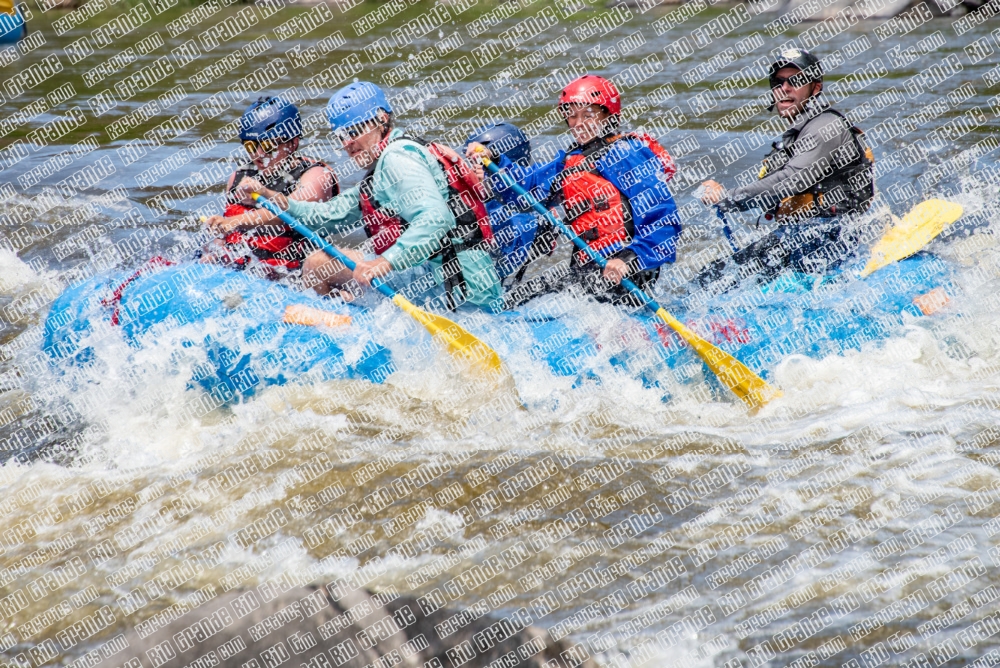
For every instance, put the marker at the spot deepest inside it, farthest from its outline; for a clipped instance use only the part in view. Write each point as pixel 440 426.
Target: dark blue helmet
pixel 504 139
pixel 270 118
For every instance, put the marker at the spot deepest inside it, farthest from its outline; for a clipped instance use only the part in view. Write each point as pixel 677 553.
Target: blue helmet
pixel 356 103
pixel 270 118
pixel 503 139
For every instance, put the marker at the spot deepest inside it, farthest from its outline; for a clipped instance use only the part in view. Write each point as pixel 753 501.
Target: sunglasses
pixel 355 131
pixel 265 145
pixel 796 80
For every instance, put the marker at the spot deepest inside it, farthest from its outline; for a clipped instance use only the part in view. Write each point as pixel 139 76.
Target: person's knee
pixel 315 270
pixel 322 265
pixel 313 261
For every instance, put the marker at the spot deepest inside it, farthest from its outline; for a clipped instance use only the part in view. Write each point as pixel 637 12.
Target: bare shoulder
pixel 316 184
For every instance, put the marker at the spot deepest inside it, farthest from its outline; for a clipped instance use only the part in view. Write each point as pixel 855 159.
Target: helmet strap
pixel 386 124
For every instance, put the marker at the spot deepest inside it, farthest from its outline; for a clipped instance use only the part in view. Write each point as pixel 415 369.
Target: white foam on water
pixel 15 274
pixel 902 387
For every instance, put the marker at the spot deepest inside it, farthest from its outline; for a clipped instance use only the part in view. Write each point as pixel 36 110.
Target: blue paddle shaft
pixel 323 245
pixel 572 236
pixel 726 230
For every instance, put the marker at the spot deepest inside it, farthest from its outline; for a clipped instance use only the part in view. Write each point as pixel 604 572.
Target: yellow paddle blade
pixel 735 375
pixel 917 229
pixel 460 343
pixel 299 314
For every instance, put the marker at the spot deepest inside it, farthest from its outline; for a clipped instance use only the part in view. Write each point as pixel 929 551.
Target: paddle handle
pixel 320 242
pixel 570 234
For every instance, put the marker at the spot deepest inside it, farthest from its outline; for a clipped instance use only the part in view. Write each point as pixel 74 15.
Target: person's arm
pixel 339 214
pixel 814 150
pixel 316 185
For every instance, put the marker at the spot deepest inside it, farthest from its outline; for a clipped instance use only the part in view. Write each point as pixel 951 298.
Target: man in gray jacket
pixel 819 171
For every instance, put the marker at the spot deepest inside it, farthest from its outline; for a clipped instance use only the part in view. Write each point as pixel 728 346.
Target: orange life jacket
pixel 597 211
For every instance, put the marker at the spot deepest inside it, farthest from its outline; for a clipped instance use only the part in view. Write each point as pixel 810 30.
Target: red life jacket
pixel 472 224
pixel 275 244
pixel 597 211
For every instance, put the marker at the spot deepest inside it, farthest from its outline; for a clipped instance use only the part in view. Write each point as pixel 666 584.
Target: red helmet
pixel 592 89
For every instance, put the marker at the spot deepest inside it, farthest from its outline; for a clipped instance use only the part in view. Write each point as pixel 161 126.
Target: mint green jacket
pixel 409 181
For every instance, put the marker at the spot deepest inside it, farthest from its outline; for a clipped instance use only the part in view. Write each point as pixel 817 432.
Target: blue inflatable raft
pixel 229 327
pixel 12 26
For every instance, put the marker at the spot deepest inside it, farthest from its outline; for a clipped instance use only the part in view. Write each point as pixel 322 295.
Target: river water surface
pixel 832 525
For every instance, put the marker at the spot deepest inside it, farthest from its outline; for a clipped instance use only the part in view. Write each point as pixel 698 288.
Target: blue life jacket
pixel 513 233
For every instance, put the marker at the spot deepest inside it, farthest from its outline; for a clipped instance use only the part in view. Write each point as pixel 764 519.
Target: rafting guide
pixel 817 177
pixel 270 130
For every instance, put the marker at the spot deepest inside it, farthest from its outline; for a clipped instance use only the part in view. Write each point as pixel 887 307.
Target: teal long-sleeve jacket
pixel 410 181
